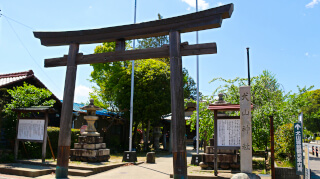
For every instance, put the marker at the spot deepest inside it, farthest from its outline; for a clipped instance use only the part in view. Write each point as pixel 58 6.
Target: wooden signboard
pixel 228 132
pixel 33 130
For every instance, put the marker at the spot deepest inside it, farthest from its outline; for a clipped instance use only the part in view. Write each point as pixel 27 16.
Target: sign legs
pixel 66 114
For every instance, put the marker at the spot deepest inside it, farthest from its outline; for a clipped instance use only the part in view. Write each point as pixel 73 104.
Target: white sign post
pixel 246 130
pixel 307 171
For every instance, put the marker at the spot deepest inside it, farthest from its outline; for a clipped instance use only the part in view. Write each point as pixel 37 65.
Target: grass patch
pixel 285 163
pixel 259 166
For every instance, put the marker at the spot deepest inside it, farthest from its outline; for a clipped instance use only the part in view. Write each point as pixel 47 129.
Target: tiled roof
pixel 103 112
pixel 11 78
pixel 6 79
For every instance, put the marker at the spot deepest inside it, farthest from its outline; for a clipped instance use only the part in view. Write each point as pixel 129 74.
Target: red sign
pixel 83 129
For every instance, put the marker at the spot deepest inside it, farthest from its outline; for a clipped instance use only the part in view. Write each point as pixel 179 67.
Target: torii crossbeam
pixel 208 19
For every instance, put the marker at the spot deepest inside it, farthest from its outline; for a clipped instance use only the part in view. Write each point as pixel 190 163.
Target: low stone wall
pixel 286 173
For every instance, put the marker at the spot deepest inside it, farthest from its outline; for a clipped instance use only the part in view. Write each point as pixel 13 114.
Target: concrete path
pixel 314 163
pixel 160 170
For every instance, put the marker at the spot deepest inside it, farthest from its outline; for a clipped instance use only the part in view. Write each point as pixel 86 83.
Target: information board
pixel 31 129
pixel 228 132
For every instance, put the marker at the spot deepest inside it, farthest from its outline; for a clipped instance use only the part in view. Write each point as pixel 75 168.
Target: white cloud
pixel 189 8
pixel 90 7
pixel 202 5
pixel 307 54
pixel 312 4
pixel 82 94
pixel 219 4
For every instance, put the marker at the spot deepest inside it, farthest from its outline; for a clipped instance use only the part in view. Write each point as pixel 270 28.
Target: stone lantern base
pixel 90 149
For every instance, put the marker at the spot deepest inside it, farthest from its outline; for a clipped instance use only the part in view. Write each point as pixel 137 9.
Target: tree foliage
pixel 268 99
pixel 206 120
pixel 311 112
pixel 24 96
pixel 284 141
pixel 151 85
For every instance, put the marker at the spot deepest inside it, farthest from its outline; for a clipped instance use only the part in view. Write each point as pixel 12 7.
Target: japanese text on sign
pixel 298 147
pixel 229 132
pixel 31 129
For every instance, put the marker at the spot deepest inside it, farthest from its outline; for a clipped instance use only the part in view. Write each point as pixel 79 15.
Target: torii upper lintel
pixel 207 19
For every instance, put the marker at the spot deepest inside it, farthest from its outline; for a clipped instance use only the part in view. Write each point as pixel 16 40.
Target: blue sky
pixel 283 36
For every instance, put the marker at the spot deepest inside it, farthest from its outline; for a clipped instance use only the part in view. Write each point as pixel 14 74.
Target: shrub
pixel 284 142
pixel 34 150
pixel 317 138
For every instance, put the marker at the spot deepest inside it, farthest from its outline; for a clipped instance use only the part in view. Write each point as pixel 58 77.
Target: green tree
pixel 151 84
pixel 23 96
pixel 206 120
pixel 311 112
pixel 284 142
pixel 269 100
pixel 4 98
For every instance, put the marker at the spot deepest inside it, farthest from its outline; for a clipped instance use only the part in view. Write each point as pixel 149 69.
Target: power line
pixel 29 51
pixel 16 21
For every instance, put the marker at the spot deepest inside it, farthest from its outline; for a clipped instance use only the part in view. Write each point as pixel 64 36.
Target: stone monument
pixel 156 136
pixel 226 158
pixel 90 147
pixel 246 129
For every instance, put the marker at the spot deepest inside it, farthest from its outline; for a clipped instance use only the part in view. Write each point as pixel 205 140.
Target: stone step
pixel 90 139
pixel 80 172
pixel 225 158
pixel 210 150
pixel 25 169
pixel 89 146
pixel 89 152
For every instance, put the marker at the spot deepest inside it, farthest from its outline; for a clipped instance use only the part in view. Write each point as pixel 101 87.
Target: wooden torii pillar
pixel 208 19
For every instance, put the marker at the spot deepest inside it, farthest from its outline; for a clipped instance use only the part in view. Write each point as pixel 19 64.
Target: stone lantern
pixel 91 119
pixel 90 147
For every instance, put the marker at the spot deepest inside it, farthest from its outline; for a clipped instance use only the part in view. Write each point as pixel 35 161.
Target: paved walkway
pixel 314 163
pixel 160 170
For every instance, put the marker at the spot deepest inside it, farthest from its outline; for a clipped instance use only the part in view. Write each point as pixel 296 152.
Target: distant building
pixel 10 80
pixel 111 126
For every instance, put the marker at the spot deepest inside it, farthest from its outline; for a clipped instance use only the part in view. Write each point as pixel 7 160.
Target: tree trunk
pixel 134 145
pixel 205 142
pixel 143 136
pixel 148 134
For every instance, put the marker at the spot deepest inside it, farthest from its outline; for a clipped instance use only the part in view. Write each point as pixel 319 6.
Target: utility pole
pixel 248 66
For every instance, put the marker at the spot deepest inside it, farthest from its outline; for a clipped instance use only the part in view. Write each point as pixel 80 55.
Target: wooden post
pixel 66 113
pixel 44 144
pixel 16 143
pixel 177 108
pixel 164 143
pixel 120 45
pixel 215 143
pixel 54 158
pixel 273 175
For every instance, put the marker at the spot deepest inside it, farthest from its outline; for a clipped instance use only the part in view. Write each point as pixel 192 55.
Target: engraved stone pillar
pixel 246 130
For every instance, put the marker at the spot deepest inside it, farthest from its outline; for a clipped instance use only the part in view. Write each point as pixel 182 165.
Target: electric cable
pixel 16 34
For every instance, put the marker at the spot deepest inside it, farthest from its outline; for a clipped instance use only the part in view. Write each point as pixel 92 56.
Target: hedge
pixel 34 150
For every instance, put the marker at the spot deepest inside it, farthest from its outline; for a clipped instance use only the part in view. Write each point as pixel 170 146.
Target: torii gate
pixel 208 19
